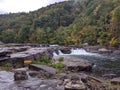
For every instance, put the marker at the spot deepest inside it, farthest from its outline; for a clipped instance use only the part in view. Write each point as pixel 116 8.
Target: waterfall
pixel 60 53
pixel 80 51
pixel 55 54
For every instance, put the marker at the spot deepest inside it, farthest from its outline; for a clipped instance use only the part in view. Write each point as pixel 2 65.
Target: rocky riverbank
pixel 102 49
pixel 75 74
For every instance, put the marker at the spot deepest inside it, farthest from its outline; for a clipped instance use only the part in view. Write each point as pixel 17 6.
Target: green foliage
pixel 68 22
pixel 6 66
pixel 113 42
pixel 59 65
pixel 60 59
pixel 43 60
pixel 46 61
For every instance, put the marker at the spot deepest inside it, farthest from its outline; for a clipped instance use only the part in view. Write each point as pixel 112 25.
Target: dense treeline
pixel 69 22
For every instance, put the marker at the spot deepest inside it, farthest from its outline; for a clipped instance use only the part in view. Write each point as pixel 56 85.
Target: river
pixel 103 63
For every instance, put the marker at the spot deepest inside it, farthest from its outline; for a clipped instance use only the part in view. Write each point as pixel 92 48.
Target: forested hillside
pixel 69 22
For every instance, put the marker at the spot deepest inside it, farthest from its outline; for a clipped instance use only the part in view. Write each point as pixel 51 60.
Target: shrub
pixel 113 42
pixel 58 66
pixel 6 66
pixel 61 59
pixel 44 60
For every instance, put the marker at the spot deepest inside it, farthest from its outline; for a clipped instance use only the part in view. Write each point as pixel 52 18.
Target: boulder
pixel 115 81
pixel 74 84
pixel 20 74
pixel 76 64
pixel 50 71
pixel 94 83
pixel 18 59
pixel 116 52
pixel 65 50
pixel 93 49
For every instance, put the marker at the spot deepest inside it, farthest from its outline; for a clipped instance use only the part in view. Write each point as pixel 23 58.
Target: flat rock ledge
pixel 46 69
pixel 115 81
pixel 76 64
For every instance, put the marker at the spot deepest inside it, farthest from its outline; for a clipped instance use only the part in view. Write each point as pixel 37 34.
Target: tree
pixel 23 34
pixel 8 36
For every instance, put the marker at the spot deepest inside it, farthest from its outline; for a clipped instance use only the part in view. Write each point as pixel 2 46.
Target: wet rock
pixel 116 52
pixel 115 81
pixel 51 71
pixel 104 50
pixel 75 64
pixel 65 50
pixel 93 49
pixel 20 74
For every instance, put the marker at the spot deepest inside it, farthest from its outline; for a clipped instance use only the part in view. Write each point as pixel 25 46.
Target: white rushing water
pixel 76 51
pixel 55 54
pixel 81 51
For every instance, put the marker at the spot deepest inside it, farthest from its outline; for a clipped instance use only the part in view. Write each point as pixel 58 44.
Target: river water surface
pixel 103 63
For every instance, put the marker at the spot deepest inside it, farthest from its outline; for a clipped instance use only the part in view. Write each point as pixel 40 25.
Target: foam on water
pixel 81 51
pixel 76 52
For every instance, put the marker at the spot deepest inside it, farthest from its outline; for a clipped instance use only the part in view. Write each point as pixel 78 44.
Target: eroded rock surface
pixel 115 81
pixel 20 74
pixel 75 64
pixel 7 83
pixel 46 69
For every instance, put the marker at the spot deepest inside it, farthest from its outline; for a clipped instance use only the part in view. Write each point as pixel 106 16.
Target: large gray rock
pixel 104 50
pixel 7 83
pixel 76 64
pixel 116 52
pixel 20 74
pixel 65 50
pixel 31 54
pixel 74 84
pixel 115 81
pixel 51 71
pixel 93 49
